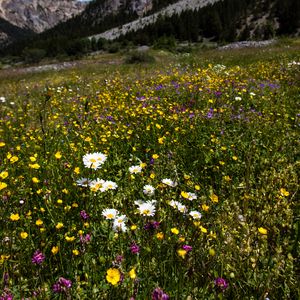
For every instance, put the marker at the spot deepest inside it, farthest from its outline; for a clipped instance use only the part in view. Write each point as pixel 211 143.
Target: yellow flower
pixel 34 166
pixel 2 144
pixel 35 180
pixel 70 238
pixel 32 158
pixel 212 252
pixel 59 225
pixel 227 178
pixel 54 250
pixel 262 230
pixel 132 273
pixel 204 230
pixel 77 170
pixel 234 157
pixel 214 198
pixel 182 253
pixel 113 276
pixel 155 156
pixel 197 187
pixel 133 227
pixel 3 185
pixel 75 252
pixel 174 230
pixel 185 195
pixel 160 236
pixel 152 175
pixel 14 159
pixel 39 222
pixel 24 235
pixel 3 174
pixel 205 207
pixel 57 155
pixel 14 217
pixel 283 192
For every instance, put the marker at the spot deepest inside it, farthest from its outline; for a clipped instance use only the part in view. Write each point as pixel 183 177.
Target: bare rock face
pixel 39 15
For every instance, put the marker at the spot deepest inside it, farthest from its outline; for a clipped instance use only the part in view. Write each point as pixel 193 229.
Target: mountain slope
pixel 39 15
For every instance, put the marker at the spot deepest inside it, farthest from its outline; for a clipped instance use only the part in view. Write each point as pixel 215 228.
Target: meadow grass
pixel 177 179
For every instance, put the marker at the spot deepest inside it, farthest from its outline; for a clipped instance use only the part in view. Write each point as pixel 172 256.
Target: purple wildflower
pixel 38 257
pixel 221 284
pixel 159 294
pixel 61 285
pixel 84 215
pixel 134 248
pixel 84 239
pixel 187 248
pixel 152 225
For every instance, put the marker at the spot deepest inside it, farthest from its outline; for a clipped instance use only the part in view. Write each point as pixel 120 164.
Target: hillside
pixel 146 21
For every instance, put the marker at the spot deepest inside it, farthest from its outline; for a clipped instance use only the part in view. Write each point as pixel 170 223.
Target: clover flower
pixel 38 257
pixel 159 294
pixel 62 285
pixel 221 283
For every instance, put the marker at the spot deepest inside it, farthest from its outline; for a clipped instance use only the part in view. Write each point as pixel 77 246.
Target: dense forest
pixel 224 21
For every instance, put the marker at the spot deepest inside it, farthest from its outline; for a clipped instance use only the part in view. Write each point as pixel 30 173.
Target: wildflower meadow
pixel 174 180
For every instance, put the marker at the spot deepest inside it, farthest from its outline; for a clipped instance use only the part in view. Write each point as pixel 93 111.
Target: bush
pixel 138 57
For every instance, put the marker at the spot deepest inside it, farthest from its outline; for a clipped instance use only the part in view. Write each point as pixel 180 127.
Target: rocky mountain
pixel 39 15
pixel 22 18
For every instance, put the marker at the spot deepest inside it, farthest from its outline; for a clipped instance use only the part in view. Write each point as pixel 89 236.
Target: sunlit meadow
pixel 177 180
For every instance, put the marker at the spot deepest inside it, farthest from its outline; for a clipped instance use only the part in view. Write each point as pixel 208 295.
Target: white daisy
pixel 135 169
pixel 97 185
pixel 191 196
pixel 148 190
pixel 177 205
pixel 195 214
pixel 94 160
pixel 146 208
pixel 109 185
pixel 85 182
pixel 110 213
pixel 169 182
pixel 119 223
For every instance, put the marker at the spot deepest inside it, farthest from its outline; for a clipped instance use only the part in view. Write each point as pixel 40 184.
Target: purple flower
pixel 38 257
pixel 84 239
pixel 152 225
pixel 221 284
pixel 134 248
pixel 65 282
pixel 159 294
pixel 61 285
pixel 187 248
pixel 84 215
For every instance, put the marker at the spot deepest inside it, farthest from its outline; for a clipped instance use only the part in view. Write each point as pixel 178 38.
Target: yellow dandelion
pixel 35 180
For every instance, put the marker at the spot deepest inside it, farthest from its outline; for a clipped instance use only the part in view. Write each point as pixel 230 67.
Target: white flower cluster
pixel 94 160
pixel 183 209
pixel 147 208
pixel 97 184
pixel 119 224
